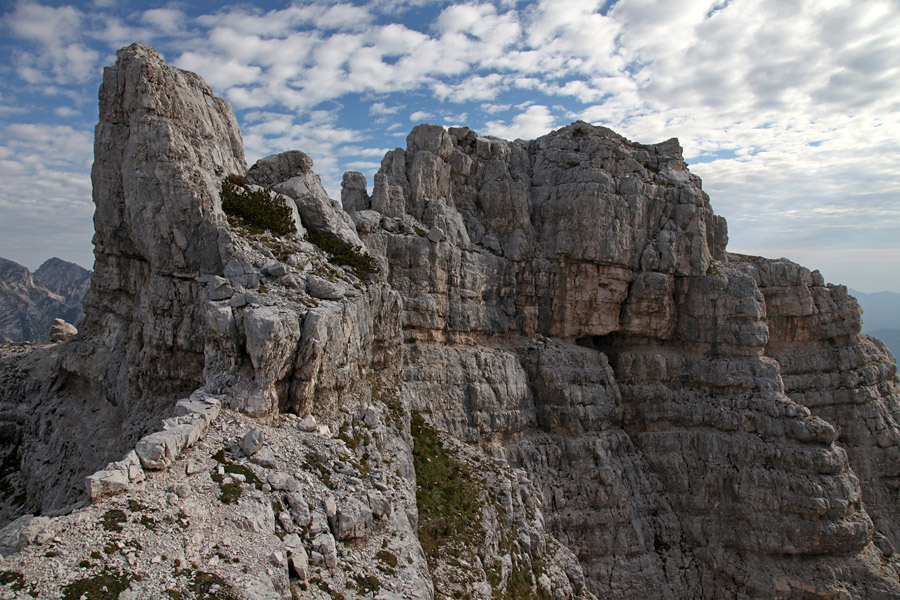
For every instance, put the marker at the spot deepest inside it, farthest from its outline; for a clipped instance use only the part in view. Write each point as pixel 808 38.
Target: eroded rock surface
pixel 556 382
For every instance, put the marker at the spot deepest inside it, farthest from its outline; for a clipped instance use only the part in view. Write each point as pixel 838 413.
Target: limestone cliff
pixel 516 369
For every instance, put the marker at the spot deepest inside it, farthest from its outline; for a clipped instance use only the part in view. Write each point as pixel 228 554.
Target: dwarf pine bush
pixel 256 208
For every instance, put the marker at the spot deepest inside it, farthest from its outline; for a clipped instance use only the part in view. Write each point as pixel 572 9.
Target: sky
pixel 789 110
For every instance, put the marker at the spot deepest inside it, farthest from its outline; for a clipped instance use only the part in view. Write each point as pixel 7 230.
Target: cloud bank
pixel 786 110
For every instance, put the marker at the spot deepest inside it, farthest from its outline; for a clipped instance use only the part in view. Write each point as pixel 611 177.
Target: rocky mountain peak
pixel 516 369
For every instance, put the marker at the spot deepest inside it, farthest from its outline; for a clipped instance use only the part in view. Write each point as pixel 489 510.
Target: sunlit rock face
pixel 580 317
pixel 637 412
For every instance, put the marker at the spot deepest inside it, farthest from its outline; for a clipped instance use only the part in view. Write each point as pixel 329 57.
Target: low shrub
pixel 342 253
pixel 256 208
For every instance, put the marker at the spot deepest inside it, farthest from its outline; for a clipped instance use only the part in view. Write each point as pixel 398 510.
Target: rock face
pixel 29 302
pixel 557 382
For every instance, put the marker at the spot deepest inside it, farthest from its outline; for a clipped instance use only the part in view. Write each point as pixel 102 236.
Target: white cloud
pixel 167 20
pixel 534 122
pixel 493 109
pixel 45 174
pixel 361 151
pixel 797 95
pixel 477 87
pixel 380 108
pixel 46 25
pixel 362 165
pixel 222 74
pixel 61 58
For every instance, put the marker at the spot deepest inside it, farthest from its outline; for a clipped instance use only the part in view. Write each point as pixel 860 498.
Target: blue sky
pixel 788 110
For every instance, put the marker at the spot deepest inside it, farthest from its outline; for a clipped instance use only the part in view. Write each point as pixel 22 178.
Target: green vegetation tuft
pixel 14 579
pixel 366 584
pixel 231 492
pixel 256 208
pixel 447 496
pixel 112 519
pixel 209 586
pixel 342 253
pixel 389 559
pixel 103 586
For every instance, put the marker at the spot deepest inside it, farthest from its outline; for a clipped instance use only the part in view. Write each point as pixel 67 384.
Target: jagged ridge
pixel 650 414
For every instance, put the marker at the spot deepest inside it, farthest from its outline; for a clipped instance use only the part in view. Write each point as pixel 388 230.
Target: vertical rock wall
pixel 572 310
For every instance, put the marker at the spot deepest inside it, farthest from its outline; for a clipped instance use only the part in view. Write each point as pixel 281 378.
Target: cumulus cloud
pixel 798 96
pixel 167 20
pixel 381 109
pixel 420 115
pixel 535 121
pixel 45 173
pixel 56 32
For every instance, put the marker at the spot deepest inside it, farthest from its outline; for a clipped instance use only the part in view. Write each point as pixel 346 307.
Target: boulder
pixel 60 331
pixel 323 289
pixel 280 167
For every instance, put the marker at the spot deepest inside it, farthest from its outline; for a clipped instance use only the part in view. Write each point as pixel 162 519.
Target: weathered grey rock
pixel 116 477
pixel 264 457
pixel 353 192
pixel 283 481
pixel 252 441
pixel 299 507
pixel 436 234
pixel 351 520
pixel 219 288
pixel 325 546
pixel 275 269
pixel 25 530
pixel 159 450
pixel 308 424
pixel 321 288
pixel 280 167
pixel 255 515
pixel 60 331
pixel 317 210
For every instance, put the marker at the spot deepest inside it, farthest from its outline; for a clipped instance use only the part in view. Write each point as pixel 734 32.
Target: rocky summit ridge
pixel 523 369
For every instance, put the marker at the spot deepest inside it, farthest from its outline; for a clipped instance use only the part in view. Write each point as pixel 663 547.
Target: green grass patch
pixel 112 519
pixel 447 495
pixel 387 557
pixel 13 579
pixel 366 584
pixel 107 585
pixel 312 459
pixel 209 586
pixel 231 492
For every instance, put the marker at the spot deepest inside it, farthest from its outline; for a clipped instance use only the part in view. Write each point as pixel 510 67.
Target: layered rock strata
pixel 623 409
pixel 599 243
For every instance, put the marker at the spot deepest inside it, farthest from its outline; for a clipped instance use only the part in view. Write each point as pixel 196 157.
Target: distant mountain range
pixel 29 302
pixel 881 317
